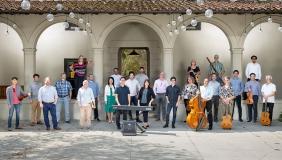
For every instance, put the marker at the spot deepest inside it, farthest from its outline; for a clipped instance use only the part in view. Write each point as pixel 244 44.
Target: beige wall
pixel 132 35
pixel 198 45
pixel 11 53
pixel 54 45
pixel 267 45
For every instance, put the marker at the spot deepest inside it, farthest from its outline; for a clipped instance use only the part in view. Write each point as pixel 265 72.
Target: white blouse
pixel 85 96
pixel 108 91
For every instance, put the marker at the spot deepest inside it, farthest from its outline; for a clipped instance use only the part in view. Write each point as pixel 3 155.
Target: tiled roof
pixel 142 6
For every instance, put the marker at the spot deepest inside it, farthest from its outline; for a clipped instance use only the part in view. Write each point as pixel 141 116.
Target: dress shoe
pixel 32 124
pixel 40 123
pixel 68 122
pixel 10 129
pixel 48 128
pixel 98 119
pixel 249 120
pixel 165 126
pixel 18 128
pixel 57 128
pixel 215 120
pixel 173 126
pixel 210 128
pixel 118 127
pixel 240 120
pixel 158 119
pixel 138 120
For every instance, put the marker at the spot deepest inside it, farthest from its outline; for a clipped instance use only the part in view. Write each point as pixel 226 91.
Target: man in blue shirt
pixel 238 88
pixel 122 98
pixel 64 90
pixel 253 86
pixel 95 88
pixel 215 85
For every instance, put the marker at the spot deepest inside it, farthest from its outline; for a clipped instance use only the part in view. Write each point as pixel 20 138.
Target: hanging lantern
pixel 25 5
pixel 50 17
pixel 208 13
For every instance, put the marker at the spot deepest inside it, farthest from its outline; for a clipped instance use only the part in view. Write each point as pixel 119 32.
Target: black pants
pixel 174 109
pixel 186 105
pixel 209 111
pixel 254 107
pixel 145 113
pixel 96 114
pixel 215 103
pixel 237 100
pixel 270 110
pixel 133 101
pixel 118 116
pixel 78 83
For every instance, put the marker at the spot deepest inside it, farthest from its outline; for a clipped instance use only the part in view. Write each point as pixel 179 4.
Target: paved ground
pixel 245 141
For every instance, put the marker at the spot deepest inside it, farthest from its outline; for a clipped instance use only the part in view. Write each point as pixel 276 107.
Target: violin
pixel 197 118
pixel 264 117
pixel 226 122
pixel 250 99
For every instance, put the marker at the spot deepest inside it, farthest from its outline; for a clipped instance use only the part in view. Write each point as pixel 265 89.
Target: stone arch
pixel 138 19
pixel 17 29
pixel 248 28
pixel 43 25
pixel 224 27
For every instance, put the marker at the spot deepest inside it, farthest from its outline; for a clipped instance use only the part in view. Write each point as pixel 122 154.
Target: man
pixel 215 85
pixel 219 68
pixel 116 77
pixel 85 98
pixel 206 94
pixel 33 95
pixel 253 67
pixel 253 86
pixel 238 88
pixel 122 98
pixel 268 92
pixel 134 88
pixel 141 76
pixel 95 89
pixel 173 95
pixel 48 97
pixel 13 93
pixel 64 90
pixel 159 88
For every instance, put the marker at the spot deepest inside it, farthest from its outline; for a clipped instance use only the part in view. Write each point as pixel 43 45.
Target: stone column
pixel 168 62
pixel 29 66
pixel 237 60
pixel 96 55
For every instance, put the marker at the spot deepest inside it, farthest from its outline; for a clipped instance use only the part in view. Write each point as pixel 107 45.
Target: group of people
pixel 136 90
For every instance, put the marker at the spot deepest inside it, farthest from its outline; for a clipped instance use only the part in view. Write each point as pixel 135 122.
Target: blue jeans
pixel 52 108
pixel 174 109
pixel 16 107
pixel 66 102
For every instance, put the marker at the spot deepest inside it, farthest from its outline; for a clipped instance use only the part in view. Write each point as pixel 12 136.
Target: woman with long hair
pixel 110 99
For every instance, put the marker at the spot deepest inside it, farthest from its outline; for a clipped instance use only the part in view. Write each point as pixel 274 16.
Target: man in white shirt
pixel 268 91
pixel 159 88
pixel 134 88
pixel 141 76
pixel 207 94
pixel 253 67
pixel 116 77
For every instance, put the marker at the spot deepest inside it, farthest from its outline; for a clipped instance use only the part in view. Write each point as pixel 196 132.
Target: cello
pixel 197 118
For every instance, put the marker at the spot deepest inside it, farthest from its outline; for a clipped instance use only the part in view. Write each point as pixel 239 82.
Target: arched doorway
pixel 132 35
pixel 54 45
pixel 11 53
pixel 264 41
pixel 199 44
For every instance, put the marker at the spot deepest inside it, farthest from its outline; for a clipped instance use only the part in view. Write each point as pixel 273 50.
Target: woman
pixel 145 98
pixel 109 98
pixel 86 102
pixel 194 71
pixel 189 91
pixel 226 96
pixel 268 92
pixel 80 72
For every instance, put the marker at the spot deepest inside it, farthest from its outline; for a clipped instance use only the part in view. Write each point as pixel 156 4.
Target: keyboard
pixel 132 108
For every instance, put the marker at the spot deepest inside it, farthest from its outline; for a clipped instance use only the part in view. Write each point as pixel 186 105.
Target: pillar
pixel 168 62
pixel 29 65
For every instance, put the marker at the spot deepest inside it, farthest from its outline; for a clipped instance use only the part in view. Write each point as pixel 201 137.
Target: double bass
pixel 197 118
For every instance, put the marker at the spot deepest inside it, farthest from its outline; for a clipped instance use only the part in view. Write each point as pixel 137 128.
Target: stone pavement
pixel 246 141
